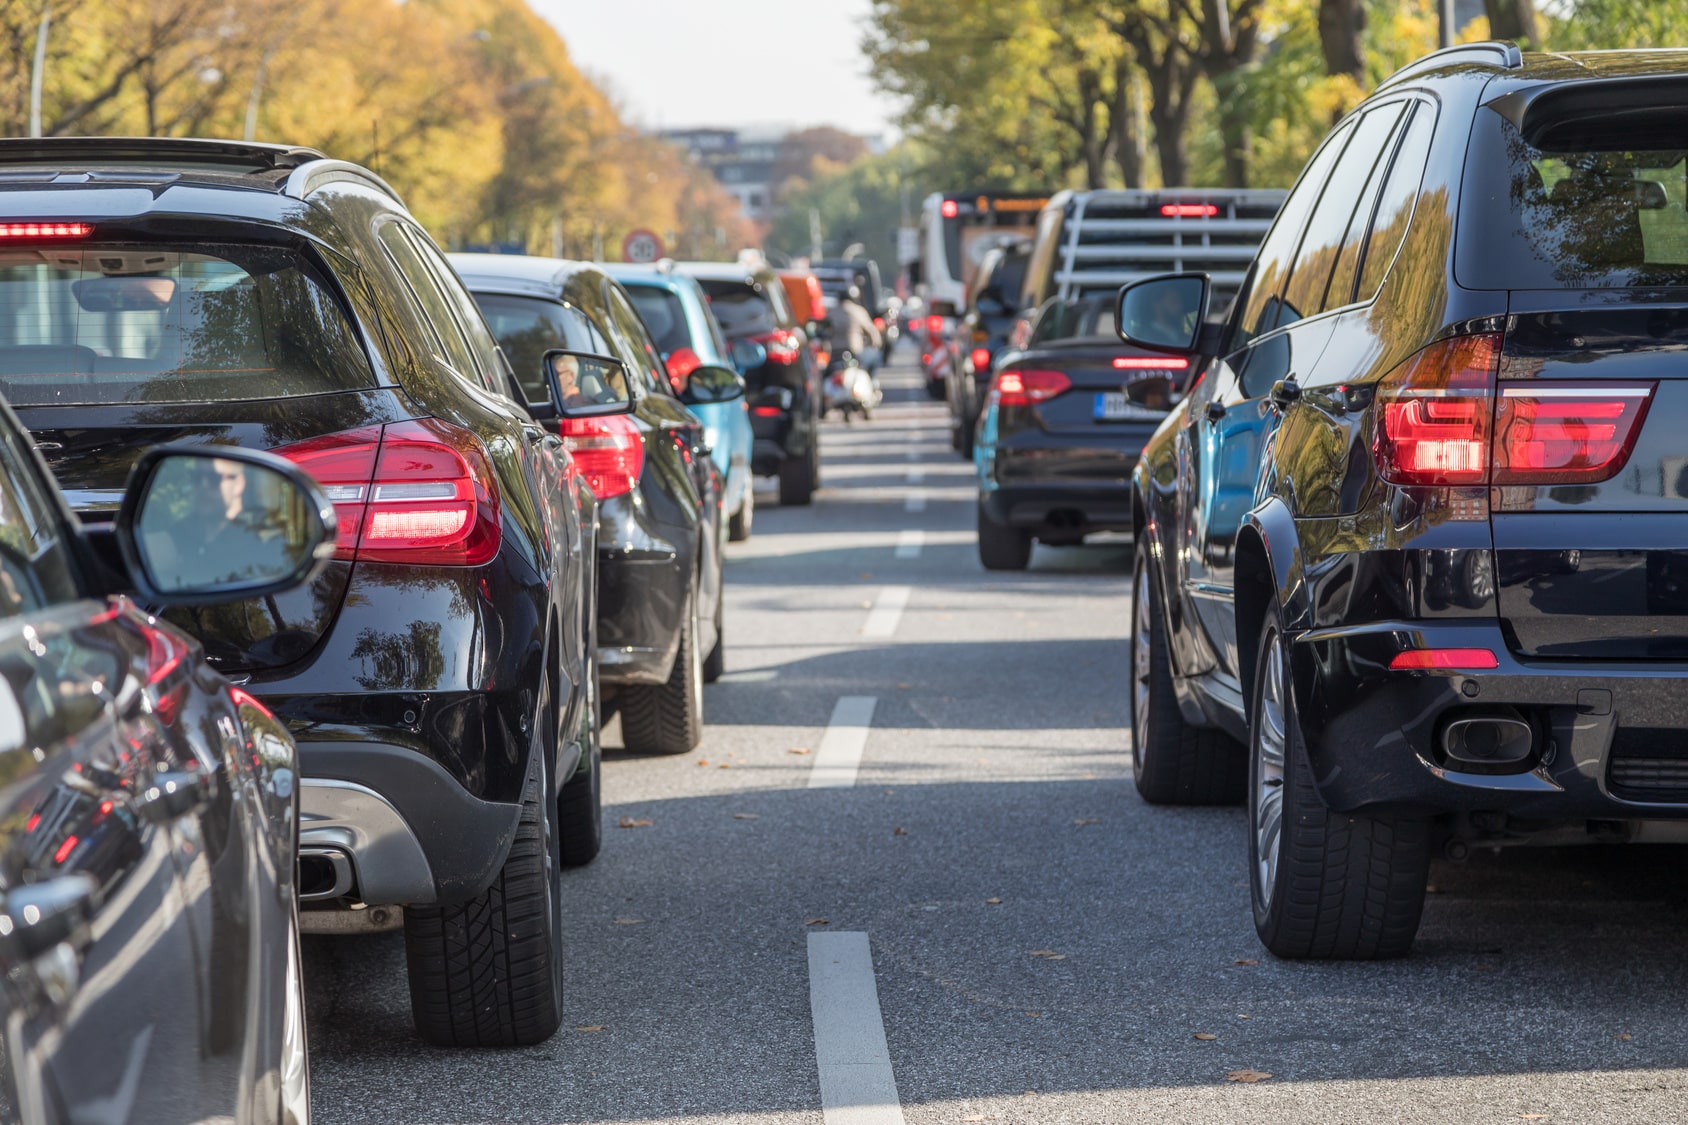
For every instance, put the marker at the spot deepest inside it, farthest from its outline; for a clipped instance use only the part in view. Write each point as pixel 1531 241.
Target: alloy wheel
pixel 1271 740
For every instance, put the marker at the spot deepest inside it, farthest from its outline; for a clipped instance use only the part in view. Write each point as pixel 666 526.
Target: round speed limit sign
pixel 641 246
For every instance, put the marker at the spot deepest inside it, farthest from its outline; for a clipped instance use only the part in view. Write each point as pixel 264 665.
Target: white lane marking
pixel 916 476
pixel 913 454
pixel 858 1086
pixel 916 501
pixel 750 676
pixel 840 753
pixel 887 612
pixel 909 544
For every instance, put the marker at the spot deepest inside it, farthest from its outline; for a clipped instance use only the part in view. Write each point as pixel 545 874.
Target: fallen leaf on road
pixel 1626 1037
pixel 1247 961
pixel 993 902
pixel 634 822
pixel 594 1027
pixel 1204 1036
pixel 800 750
pixel 1088 820
pixel 899 832
pixel 1035 1015
pixel 629 921
pixel 703 761
pixel 1241 1016
pixel 905 687
pixel 1248 1076
pixel 1049 955
pixel 745 816
pixel 725 766
pixel 817 921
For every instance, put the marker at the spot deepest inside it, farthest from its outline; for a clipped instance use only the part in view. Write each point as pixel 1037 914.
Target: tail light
pixel 949 208
pixel 1189 210
pixel 419 492
pixel 1441 423
pixel 981 359
pixel 1438 659
pixel 1026 386
pixel 608 452
pixel 934 324
pixel 1151 363
pixel 782 345
pixel 681 362
pixel 926 359
pixel 1567 433
pixel 9 231
pixel 767 411
pixel 879 323
pixel 1435 413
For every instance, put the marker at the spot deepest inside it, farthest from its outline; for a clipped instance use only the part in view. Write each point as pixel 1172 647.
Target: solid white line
pixel 909 544
pixel 840 752
pixel 916 501
pixel 887 612
pixel 858 1086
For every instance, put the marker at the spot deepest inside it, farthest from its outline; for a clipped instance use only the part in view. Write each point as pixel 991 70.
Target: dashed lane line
pixel 887 612
pixel 858 1086
pixel 909 543
pixel 916 475
pixel 840 752
pixel 916 501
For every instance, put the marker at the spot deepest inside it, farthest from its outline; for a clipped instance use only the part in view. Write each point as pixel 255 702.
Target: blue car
pixel 677 313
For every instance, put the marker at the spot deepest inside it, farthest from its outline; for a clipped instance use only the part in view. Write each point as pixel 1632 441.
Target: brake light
pixel 608 452
pixel 879 323
pixel 1566 433
pixel 766 411
pixel 949 209
pixel 1025 386
pixel 46 230
pixel 1189 210
pixel 419 492
pixel 782 345
pixel 681 362
pixel 1435 412
pixel 934 324
pixel 1151 363
pixel 981 359
pixel 1441 659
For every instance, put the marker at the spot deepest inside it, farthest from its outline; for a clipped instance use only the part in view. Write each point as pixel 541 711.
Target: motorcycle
pixel 849 388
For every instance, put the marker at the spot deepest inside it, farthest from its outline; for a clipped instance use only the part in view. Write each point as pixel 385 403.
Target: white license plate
pixel 1116 406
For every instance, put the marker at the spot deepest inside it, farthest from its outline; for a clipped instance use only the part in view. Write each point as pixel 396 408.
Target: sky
pixel 680 63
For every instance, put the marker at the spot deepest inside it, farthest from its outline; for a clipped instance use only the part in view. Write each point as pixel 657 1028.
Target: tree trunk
pixel 1169 110
pixel 1094 139
pixel 1342 24
pixel 1237 135
pixel 1125 125
pixel 1513 19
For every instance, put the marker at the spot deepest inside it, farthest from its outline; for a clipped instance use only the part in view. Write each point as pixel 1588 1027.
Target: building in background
pixel 742 161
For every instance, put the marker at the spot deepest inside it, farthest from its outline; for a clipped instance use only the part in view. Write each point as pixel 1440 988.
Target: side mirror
pixel 748 355
pixel 206 524
pixel 712 384
pixel 585 385
pixel 1163 314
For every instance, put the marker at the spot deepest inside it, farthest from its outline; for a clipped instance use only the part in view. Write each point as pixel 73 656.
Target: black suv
pixel 438 674
pixel 1417 533
pixel 783 383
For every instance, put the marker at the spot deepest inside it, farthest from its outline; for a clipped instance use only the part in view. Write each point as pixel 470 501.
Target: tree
pixel 1513 19
pixel 1342 28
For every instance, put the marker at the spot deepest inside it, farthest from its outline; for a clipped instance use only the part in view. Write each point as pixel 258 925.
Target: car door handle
pixel 1286 391
pixel 37 916
pixel 175 793
pixel 1215 411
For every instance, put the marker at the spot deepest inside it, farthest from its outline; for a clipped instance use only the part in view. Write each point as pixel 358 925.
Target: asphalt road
pixel 1044 947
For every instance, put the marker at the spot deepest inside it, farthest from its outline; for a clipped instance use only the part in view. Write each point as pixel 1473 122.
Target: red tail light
pixel 1189 210
pixel 681 363
pixel 926 359
pixel 1025 386
pixel 766 411
pixel 419 492
pixel 949 208
pixel 1438 659
pixel 879 323
pixel 1441 424
pixel 1434 413
pixel 934 324
pixel 1151 363
pixel 608 452
pixel 783 345
pixel 1567 433
pixel 981 359
pixel 45 230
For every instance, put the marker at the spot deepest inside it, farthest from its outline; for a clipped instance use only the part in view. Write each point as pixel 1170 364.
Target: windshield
pixel 1577 215
pixel 132 323
pixel 741 309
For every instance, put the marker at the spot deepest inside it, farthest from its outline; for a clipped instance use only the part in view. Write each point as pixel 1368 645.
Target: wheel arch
pixel 1267 569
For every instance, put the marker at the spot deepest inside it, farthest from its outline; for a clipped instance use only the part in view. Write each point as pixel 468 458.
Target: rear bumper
pixel 1610 739
pixel 1067 508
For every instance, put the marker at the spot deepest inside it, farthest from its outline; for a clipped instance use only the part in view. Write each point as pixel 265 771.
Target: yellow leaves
pixel 634 822
pixel 594 1027
pixel 800 750
pixel 1247 1076
pixel 1049 955
pixel 1204 1036
pixel 1247 961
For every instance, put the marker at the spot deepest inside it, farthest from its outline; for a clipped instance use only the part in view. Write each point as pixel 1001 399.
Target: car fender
pixel 1268 568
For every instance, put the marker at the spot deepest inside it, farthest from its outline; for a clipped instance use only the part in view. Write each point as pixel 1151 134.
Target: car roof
pixel 723 271
pixel 519 273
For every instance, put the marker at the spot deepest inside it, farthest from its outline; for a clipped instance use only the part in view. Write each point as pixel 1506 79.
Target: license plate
pixel 1116 406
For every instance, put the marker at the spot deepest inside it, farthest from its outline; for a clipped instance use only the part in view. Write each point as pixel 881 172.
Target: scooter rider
pixel 853 329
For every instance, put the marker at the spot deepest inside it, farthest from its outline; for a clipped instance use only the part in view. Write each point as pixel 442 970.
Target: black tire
pixel 1002 547
pixel 489 972
pixel 797 482
pixel 1338 887
pixel 964 440
pixel 937 390
pixel 739 523
pixel 667 718
pixel 580 806
pixel 716 662
pixel 1172 762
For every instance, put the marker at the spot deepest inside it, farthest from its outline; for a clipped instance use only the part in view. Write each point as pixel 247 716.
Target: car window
pixel 436 306
pixel 1050 322
pixel 111 323
pixel 35 567
pixel 528 327
pixel 490 367
pixel 743 309
pixel 1271 265
pixel 1009 276
pixel 1395 206
pixel 1347 269
pixel 664 315
pixel 1304 294
pixel 641 350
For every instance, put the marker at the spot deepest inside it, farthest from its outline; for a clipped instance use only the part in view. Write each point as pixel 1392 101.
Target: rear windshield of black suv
pixel 742 309
pixel 1577 195
pixel 126 323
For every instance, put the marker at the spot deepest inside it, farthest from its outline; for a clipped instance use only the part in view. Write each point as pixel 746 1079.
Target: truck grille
pixel 1649 764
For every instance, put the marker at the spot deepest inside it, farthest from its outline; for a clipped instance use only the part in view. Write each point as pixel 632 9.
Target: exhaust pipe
pixel 324 873
pixel 1489 742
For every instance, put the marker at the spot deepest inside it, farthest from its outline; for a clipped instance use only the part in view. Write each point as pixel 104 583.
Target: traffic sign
pixel 641 246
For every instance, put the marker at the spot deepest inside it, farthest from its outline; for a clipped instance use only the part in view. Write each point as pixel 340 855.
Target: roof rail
pixel 1502 53
pixel 307 177
pixel 172 152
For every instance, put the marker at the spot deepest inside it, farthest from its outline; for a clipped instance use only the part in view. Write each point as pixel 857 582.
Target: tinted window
pixel 1395 206
pixel 528 327
pixel 489 365
pixel 35 571
pixel 453 347
pixel 743 310
pixel 129 323
pixel 1347 269
pixel 1304 295
pixel 664 316
pixel 1271 265
pixel 641 351
pixel 1009 276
